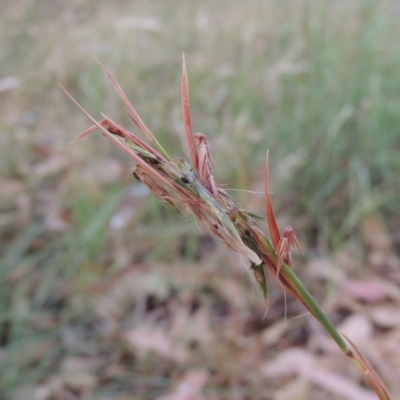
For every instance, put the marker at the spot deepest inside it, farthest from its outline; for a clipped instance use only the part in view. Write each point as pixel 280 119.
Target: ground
pixel 107 294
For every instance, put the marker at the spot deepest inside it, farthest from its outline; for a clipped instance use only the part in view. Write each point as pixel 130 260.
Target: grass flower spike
pixel 191 188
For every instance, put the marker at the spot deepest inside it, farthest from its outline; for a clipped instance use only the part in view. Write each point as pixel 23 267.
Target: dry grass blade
pixel 372 377
pixel 273 226
pixel 186 117
pixel 117 130
pixel 119 144
pixel 134 115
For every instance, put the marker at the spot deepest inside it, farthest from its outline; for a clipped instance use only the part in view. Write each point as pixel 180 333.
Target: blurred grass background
pixel 315 82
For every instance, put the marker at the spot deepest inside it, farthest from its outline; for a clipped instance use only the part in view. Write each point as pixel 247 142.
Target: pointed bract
pixel 204 164
pixel 288 232
pixel 186 118
pixel 132 112
pixel 287 241
pixel 273 226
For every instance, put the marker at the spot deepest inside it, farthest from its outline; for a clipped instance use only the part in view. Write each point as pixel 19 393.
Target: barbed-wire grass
pixel 191 188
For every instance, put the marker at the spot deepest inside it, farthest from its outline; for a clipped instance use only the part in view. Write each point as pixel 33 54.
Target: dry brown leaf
pixel 365 290
pixel 347 259
pixel 377 239
pixel 289 362
pixel 299 362
pixel 294 390
pixel 189 387
pixel 193 327
pixel 233 291
pixel 375 233
pixel 153 339
pixel 357 327
pixel 135 283
pixel 340 385
pixel 326 268
pixel 51 166
pixel 274 333
pixel 385 316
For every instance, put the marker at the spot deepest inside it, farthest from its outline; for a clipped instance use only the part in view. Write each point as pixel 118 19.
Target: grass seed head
pixel 192 188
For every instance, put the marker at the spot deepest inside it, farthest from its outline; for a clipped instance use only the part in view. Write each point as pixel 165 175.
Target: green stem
pixel 314 308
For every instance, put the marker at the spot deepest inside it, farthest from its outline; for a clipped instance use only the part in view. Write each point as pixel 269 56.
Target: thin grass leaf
pixel 371 376
pixel 187 122
pixel 272 225
pixel 133 114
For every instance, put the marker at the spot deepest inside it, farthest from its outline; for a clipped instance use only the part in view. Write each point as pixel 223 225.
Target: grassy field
pixel 105 293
